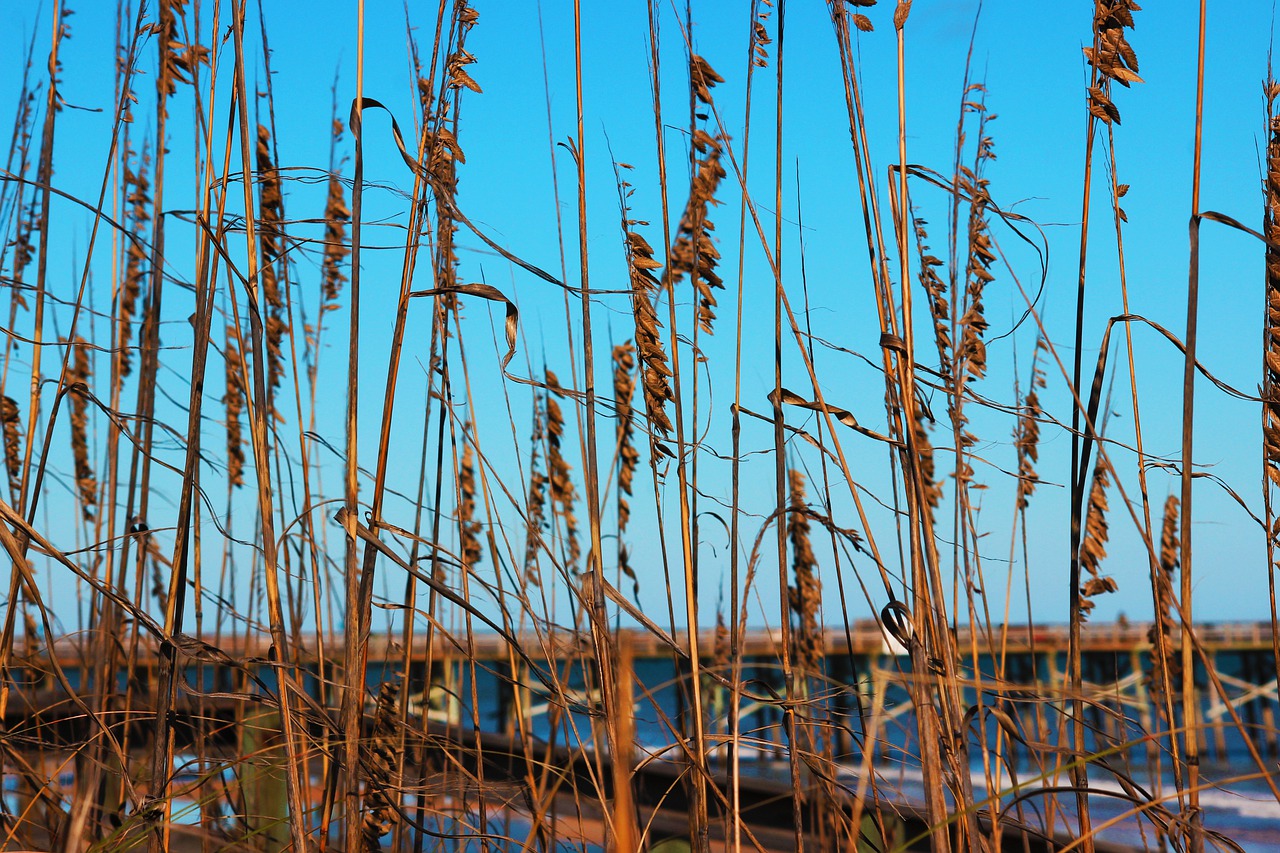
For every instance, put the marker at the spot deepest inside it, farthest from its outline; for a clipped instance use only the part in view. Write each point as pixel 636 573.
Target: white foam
pixel 1224 799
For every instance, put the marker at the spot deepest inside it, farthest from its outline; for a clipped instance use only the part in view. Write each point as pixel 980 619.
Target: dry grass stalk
pixel 468 527
pixel 1164 652
pixel 693 253
pixel 1111 55
pixel 271 240
pixel 1094 547
pixel 233 399
pixel 560 475
pixel 11 421
pixel 805 595
pixel 624 388
pixel 137 188
pixel 79 373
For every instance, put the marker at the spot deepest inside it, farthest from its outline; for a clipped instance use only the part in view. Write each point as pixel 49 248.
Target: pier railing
pixel 861 638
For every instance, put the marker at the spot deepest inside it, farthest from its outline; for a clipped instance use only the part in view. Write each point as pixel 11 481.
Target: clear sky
pixel 1028 56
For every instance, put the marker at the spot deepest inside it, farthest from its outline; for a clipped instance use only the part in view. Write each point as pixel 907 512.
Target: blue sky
pixel 1029 58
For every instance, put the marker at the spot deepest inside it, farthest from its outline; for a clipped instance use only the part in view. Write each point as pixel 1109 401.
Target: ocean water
pixel 1244 811
pixel 1234 801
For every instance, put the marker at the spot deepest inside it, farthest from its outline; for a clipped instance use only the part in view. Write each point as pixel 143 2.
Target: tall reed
pixel 438 628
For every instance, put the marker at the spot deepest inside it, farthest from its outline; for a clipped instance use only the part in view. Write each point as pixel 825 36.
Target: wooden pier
pixel 478 692
pixel 863 638
pixel 863 669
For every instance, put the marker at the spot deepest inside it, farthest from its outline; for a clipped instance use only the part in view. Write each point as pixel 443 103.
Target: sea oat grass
pixel 137 188
pixel 233 400
pixel 271 239
pixel 805 593
pixel 1165 662
pixel 655 372
pixel 624 387
pixel 11 419
pixel 563 491
pixel 344 623
pixel 1093 550
pixel 79 377
pixel 469 529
